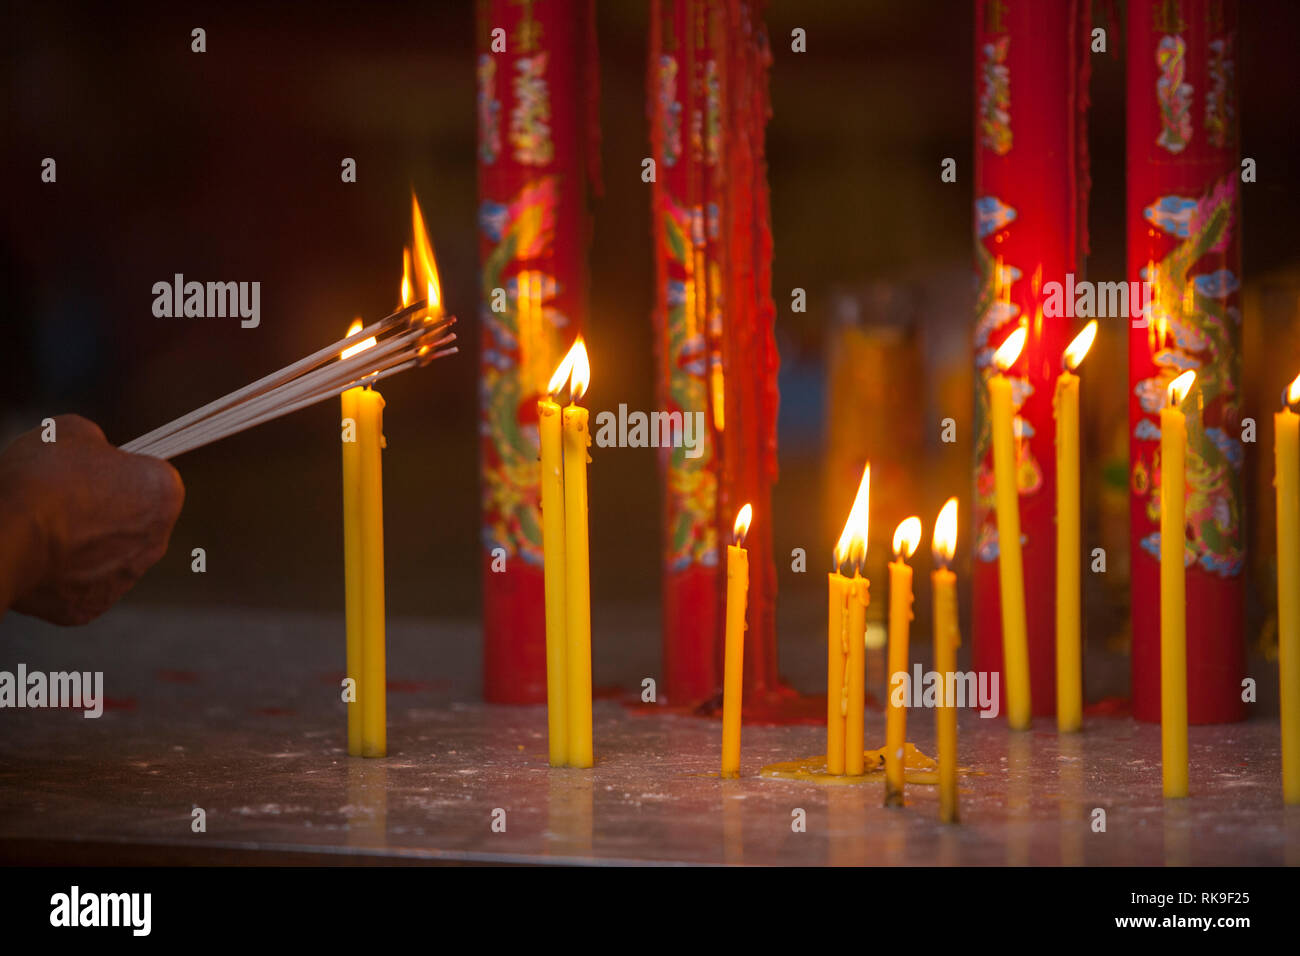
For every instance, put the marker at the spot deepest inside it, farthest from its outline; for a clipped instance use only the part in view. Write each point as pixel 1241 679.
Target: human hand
pixel 81 521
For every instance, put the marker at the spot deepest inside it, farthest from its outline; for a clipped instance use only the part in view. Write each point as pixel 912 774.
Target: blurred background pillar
pixel 1031 73
pixel 1184 235
pixel 537 144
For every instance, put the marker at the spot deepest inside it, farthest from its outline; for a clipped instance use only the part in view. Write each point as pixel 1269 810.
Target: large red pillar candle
pixel 1184 237
pixel 536 127
pixel 1030 194
pixel 707 105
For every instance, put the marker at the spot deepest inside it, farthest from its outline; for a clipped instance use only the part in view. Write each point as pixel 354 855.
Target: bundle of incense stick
pixel 409 338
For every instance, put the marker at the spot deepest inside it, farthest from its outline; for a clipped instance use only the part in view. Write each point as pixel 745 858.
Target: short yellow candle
pixel 837 648
pixel 733 664
pixel 352 558
pixel 1286 450
pixel 1173 590
pixel 947 637
pixel 373 692
pixel 1011 575
pixel 906 537
pixel 1069 643
pixel 855 672
pixel 846 642
pixel 577 565
pixel 549 429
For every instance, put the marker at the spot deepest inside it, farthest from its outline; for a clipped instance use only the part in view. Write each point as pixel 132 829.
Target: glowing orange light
pixel 1293 392
pixel 574 369
pixel 406 276
pixel 361 346
pixel 1180 386
pixel 906 537
pixel 425 265
pixel 944 543
pixel 1076 350
pixel 853 539
pixel 1009 351
pixel 741 527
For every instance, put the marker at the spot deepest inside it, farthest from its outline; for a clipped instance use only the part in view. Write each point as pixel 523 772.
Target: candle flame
pixel 906 537
pixel 1180 386
pixel 425 265
pixel 944 543
pixel 1292 394
pixel 1010 349
pixel 574 369
pixel 361 346
pixel 853 539
pixel 1076 350
pixel 406 276
pixel 741 527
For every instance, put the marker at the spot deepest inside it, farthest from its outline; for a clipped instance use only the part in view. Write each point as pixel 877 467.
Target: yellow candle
pixel 1173 590
pixel 1069 644
pixel 549 428
pixel 733 665
pixel 906 537
pixel 1286 449
pixel 352 558
pixel 855 673
pixel 577 566
pixel 845 639
pixel 373 692
pixel 837 648
pixel 946 639
pixel 1011 576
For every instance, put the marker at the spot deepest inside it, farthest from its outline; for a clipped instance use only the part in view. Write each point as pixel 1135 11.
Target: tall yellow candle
pixel 733 663
pixel 549 429
pixel 1173 590
pixel 373 692
pixel 577 565
pixel 906 537
pixel 354 591
pixel 946 640
pixel 845 639
pixel 1286 450
pixel 1011 575
pixel 837 648
pixel 1069 643
pixel 352 558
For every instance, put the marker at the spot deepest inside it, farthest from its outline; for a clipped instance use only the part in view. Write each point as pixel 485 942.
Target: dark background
pixel 225 166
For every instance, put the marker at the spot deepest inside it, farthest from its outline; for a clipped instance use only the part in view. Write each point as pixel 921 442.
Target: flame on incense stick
pixel 406 276
pixel 1076 350
pixel 361 346
pixel 741 527
pixel 425 265
pixel 852 545
pixel 1180 386
pixel 1010 349
pixel 906 537
pixel 574 369
pixel 944 544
